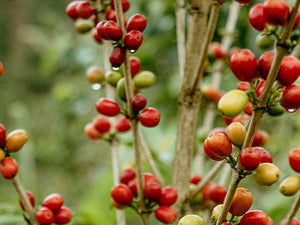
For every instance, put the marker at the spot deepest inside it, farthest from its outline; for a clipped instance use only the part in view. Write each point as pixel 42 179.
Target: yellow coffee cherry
pixel 15 140
pixel 236 133
pixel 290 186
pixel 2 154
pixel 217 210
pixel 266 174
pixel 191 220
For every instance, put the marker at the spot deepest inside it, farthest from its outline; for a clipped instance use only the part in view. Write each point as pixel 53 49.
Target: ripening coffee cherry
pixel 16 140
pixel 135 65
pixel 101 123
pixel 2 154
pixel 233 103
pixel 219 144
pixel 212 94
pixel 191 220
pixel 107 107
pixel 217 211
pixel 149 117
pixel 276 12
pixel 53 202
pixel 152 192
pixel 121 194
pixel 95 74
pixel 249 159
pixel 256 217
pixel 2 135
pixel 165 214
pixel 168 196
pixel 113 77
pixel 144 79
pixel 265 156
pixel 133 40
pixel 256 17
pixel 96 36
pixel 236 133
pixel 294 159
pixel 218 193
pixel 136 22
pixel 291 98
pixel 84 9
pixel 216 51
pixel 101 31
pixel 290 186
pixel 122 124
pixel 289 70
pixel 117 56
pixel 125 5
pixel 113 30
pixel 264 64
pixel 127 175
pixel 266 174
pixel 241 202
pixel 71 10
pixel 63 216
pixel 91 132
pixel 138 102
pixel 45 216
pixel 9 168
pixel 210 153
pixel 260 138
pixel 31 200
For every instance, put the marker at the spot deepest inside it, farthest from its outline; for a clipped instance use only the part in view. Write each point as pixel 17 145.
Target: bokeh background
pixel 44 91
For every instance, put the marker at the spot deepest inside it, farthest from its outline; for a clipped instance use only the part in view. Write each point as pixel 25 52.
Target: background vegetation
pixel 44 91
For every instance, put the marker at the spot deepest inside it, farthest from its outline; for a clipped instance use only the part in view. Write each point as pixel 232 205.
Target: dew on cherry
pixel 115 68
pixel 132 51
pixel 292 110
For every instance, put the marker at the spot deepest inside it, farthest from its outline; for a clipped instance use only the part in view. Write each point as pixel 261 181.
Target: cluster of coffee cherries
pixel 156 198
pixel 51 211
pixel 11 143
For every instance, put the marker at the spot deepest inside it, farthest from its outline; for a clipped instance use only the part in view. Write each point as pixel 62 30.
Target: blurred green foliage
pixel 44 91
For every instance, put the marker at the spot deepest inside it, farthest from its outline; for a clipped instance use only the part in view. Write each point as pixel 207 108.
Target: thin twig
pixel 291 214
pixel 180 34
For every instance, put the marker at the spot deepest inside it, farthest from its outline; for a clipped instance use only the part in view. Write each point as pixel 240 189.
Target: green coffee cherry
pixel 113 77
pixel 144 79
pixel 121 91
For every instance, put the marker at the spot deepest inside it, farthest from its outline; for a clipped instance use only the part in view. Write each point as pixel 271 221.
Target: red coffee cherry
pixel 241 202
pixel 121 194
pixel 244 65
pixel 31 200
pixel 270 222
pixel 256 17
pixel 293 222
pixel 249 159
pixel 92 132
pixel 294 159
pixel 219 145
pixel 243 86
pixel 291 98
pixel 165 214
pixel 289 70
pixel 127 175
pixel 117 56
pixel 125 5
pixel 107 107
pixel 217 193
pixel 248 109
pixel 212 94
pixel 210 153
pixel 132 185
pixel 215 49
pixel 96 36
pixel 133 40
pixel 168 196
pixel 256 217
pixel 113 30
pixel 9 168
pixel 71 10
pixel 2 135
pixel 101 123
pixel 152 192
pixel 101 31
pixel 264 64
pixel 206 190
pixel 297 21
pixel 122 124
pixel 149 117
pixel 135 65
pixel 53 202
pixel 227 223
pixel 137 22
pixel 265 156
pixel 45 216
pixel 195 179
pixel 260 88
pixel 149 178
pixel 84 9
pixel 138 102
pixel 276 12
pixel 260 138
pixel 63 215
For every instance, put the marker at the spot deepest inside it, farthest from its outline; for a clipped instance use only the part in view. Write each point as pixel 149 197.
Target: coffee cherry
pixel 122 124
pixel 45 216
pixel 135 65
pixel 84 9
pixel 71 10
pixel 132 185
pixel 63 216
pixel 212 94
pixel 266 174
pixel 293 222
pixel 264 64
pixel 210 153
pixel 276 110
pixel 149 117
pixel 294 159
pixel 125 5
pixel 31 200
pixel 113 77
pixel 264 42
pixel 270 222
pixel 195 179
pixel 260 88
pixel 101 31
pixel 53 202
pixel 218 193
pixel 101 123
pixel 137 22
pixel 216 51
pixel 289 70
pixel 133 40
pixel 107 107
pixel 290 186
pixel 121 194
pixel 236 133
pixel 165 214
pixel 219 145
pixel 92 132
pixel 265 156
pixel 9 168
pixel 121 89
pixel 297 21
pixel 191 220
pixel 249 159
pixel 113 30
pixel 95 74
pixel 144 79
pixel 2 135
pixel 127 175
pixel 244 65
pixel 276 12
pixel 96 36
pixel 217 211
pixel 16 140
pixel 138 102
pixel 256 17
pixel 117 56
pixel 2 154
pixel 168 196
pixel 241 202
pixel 152 192
pixel 82 26
pixel 260 138
pixel 291 97
pixel 256 217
